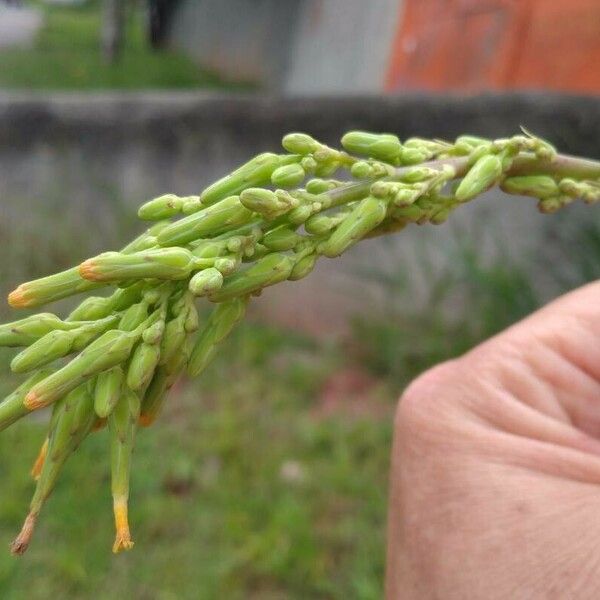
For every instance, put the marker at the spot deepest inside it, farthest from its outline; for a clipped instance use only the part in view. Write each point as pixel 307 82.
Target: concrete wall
pixel 90 160
pixel 342 46
pixel 294 46
pixel 241 40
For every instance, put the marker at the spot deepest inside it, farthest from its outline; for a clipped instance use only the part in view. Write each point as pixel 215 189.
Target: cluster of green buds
pixel 112 360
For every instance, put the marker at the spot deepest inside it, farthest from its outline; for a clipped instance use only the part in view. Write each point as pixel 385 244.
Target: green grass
pixel 66 55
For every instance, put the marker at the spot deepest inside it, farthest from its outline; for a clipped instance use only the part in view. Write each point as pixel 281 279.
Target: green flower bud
pixel 552 205
pixel 227 264
pixel 571 187
pixel 471 140
pixel 210 248
pixel 192 319
pixel 321 186
pixel 160 263
pixel 281 238
pixel 418 174
pixel 29 329
pixel 173 337
pixel 124 297
pixel 12 407
pixel 441 216
pixel 154 397
pixel 191 204
pixel 410 213
pixel 385 227
pixel 51 288
pixel 326 169
pixel 407 196
pixel 206 281
pixel 141 366
pixel 538 186
pixel 431 147
pixel 300 143
pixel 269 270
pixel 109 350
pixel 107 391
pixel 412 156
pixel 53 345
pixel 303 267
pixel 146 240
pixel 83 335
pixel 382 146
pixel 84 416
pixel 234 245
pixel 366 216
pixel 94 307
pixel 288 176
pixel 259 252
pixel 266 202
pixel 163 207
pixel 134 316
pixel 254 173
pixel 309 164
pixel 218 327
pixel 154 333
pixel 300 214
pixel 320 224
pixel 482 175
pixel 227 213
pixel 362 170
pixel 386 189
pixel 179 361
pixel 152 296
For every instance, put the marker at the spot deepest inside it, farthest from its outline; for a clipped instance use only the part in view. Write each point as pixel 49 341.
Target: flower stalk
pixel 267 222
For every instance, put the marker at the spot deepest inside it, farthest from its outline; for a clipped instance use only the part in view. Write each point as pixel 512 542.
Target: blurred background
pixel 267 478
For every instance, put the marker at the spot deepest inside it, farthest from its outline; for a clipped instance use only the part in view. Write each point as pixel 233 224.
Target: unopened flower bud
pixel 254 173
pixel 382 146
pixel 163 207
pixel 288 176
pixel 481 176
pixel 206 281
pixel 300 143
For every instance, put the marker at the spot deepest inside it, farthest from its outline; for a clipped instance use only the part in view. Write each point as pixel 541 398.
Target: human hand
pixel 495 479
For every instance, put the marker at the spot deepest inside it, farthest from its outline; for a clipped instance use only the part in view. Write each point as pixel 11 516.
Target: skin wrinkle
pixel 563 348
pixel 521 386
pixel 584 414
pixel 518 381
pixel 509 414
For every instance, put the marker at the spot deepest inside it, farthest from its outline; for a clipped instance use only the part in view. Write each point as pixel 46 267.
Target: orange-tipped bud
pixel 21 542
pixel 48 289
pixel 86 270
pixel 33 401
pixel 18 298
pixel 123 539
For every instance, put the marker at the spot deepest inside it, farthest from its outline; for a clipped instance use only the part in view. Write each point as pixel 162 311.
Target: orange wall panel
pixel 473 45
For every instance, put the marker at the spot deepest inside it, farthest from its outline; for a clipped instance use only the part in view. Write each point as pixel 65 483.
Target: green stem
pixel 562 165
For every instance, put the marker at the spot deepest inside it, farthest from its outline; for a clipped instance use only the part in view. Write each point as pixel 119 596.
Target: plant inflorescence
pixel 112 360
